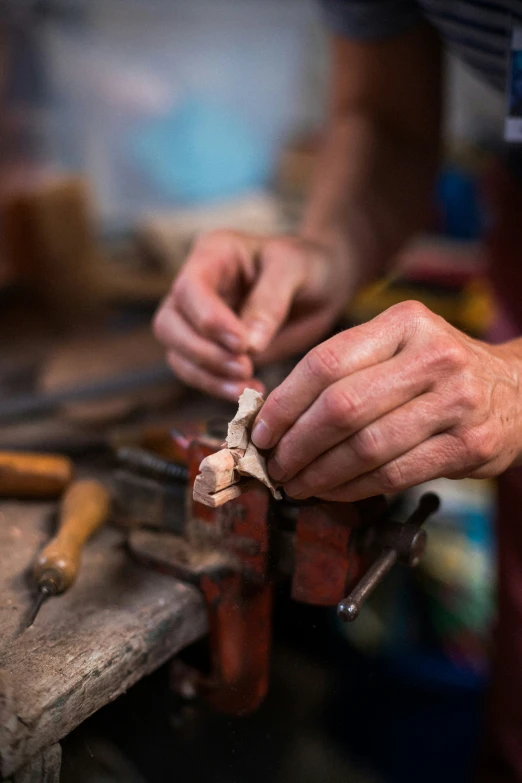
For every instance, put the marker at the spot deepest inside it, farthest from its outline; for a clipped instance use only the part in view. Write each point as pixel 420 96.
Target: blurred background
pixel 126 128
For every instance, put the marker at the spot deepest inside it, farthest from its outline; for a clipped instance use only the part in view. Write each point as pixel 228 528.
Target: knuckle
pixel 279 405
pixel 453 354
pixel 340 409
pixel 266 320
pixel 390 478
pixel 446 355
pixel 468 395
pixel 205 321
pixel 480 445
pixel 411 310
pixel 322 363
pixel 366 446
pixel 315 483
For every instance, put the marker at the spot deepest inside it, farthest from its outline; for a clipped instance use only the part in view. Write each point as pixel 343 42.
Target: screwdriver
pixel 84 508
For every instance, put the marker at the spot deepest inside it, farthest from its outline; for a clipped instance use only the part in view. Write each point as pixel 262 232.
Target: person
pixel 406 397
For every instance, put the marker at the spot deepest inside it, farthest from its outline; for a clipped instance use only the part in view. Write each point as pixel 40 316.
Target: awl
pixel 84 508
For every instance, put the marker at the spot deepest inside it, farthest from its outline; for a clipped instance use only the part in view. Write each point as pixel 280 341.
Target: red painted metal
pixel 326 558
pixel 239 593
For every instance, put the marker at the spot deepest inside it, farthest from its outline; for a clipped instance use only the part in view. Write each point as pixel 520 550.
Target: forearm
pixel 371 194
pixel 381 149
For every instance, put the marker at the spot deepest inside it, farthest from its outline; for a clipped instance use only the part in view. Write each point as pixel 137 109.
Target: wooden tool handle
pixel 24 474
pixel 85 507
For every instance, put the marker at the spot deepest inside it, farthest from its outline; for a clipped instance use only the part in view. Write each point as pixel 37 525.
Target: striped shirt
pixel 476 31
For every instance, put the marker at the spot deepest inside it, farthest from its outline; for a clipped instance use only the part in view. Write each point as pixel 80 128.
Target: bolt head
pixel 347 611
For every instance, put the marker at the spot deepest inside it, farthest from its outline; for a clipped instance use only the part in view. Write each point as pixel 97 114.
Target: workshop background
pixel 126 128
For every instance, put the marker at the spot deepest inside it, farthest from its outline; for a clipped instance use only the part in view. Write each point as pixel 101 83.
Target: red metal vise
pixel 235 553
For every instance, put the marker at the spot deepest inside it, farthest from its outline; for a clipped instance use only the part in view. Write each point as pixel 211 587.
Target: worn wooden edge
pixel 43 768
pixel 141 656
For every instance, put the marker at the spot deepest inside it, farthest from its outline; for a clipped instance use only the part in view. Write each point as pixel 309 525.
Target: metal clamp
pixel 399 543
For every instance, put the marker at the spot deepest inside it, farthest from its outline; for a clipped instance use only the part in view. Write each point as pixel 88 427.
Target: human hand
pixel 241 298
pixel 400 400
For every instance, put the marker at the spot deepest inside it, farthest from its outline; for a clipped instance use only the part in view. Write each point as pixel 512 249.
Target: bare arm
pixel 381 149
pixel 242 300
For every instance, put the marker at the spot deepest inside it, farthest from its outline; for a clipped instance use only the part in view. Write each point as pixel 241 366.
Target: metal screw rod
pixel 150 463
pixel 348 609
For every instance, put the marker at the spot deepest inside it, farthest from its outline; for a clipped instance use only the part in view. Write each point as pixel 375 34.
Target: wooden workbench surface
pixel 119 622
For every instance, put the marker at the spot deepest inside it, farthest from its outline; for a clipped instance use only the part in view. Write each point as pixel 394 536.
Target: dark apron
pixel 502 761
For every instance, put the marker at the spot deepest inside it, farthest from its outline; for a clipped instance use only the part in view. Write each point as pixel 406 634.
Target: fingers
pixel 213 283
pixel 205 339
pixel 341 356
pixel 440 456
pixel 205 310
pixel 345 408
pixel 208 283
pixel 384 440
pixel 192 375
pixel 296 336
pixel 268 304
pixel 173 331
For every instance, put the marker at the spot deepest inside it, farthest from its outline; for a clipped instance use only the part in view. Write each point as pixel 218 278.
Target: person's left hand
pixel 400 400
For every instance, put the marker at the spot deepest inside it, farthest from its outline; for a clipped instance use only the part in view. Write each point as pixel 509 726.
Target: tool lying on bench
pixel 236 543
pixel 84 507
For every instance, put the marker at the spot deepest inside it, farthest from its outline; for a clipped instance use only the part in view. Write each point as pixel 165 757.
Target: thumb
pixel 268 304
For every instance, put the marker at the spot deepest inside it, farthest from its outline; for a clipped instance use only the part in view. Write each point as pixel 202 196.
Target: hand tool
pixel 404 543
pixel 84 508
pixel 235 552
pixel 32 475
pixel 35 403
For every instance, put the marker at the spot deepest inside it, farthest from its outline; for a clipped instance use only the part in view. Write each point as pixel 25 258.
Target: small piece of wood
pixel 219 471
pixel 214 500
pixel 220 474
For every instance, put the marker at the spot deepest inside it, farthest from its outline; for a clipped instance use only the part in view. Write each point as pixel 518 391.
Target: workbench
pixel 118 623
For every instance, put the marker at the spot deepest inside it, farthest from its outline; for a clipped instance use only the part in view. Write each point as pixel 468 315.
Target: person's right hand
pixel 241 299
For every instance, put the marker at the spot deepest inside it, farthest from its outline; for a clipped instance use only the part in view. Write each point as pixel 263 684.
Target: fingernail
pixel 261 435
pixel 231 341
pixel 257 334
pixel 276 471
pixel 232 391
pixel 235 369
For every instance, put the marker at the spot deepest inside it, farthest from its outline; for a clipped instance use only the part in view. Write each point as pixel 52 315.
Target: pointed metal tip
pixel 37 606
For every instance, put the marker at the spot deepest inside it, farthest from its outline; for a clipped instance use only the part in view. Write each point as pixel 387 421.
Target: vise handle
pixel 401 543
